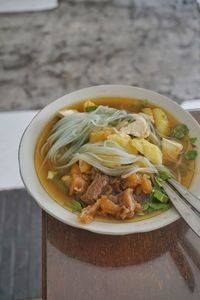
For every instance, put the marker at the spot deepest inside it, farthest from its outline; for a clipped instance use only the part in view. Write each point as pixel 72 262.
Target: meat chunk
pixel 136 181
pixel 124 209
pixel 128 204
pixel 95 189
pixel 132 181
pixel 88 213
pixel 116 184
pixel 77 184
pixel 126 198
pixel 102 207
pixel 146 184
pixel 109 207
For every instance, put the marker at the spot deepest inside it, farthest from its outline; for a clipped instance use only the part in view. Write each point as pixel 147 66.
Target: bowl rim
pixel 45 201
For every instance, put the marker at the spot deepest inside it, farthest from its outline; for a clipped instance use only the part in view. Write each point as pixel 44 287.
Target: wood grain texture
pixel 78 264
pixel 155 265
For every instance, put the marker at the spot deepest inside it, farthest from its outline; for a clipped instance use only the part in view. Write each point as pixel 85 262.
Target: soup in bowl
pixel 96 158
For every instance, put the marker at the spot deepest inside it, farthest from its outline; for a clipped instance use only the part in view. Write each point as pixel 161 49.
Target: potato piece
pixel 101 135
pixel 148 111
pixel 153 153
pixel 161 121
pixel 149 150
pixel 84 166
pixel 138 144
pixel 124 140
pixel 171 150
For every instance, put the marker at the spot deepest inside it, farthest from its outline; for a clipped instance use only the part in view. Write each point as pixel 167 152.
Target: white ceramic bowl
pixel 33 185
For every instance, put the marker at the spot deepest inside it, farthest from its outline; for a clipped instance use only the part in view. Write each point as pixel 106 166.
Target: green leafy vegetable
pixel 91 108
pixel 179 131
pixel 193 141
pixel 145 205
pixel 53 175
pixel 74 206
pixel 160 195
pixel 191 154
pixel 152 206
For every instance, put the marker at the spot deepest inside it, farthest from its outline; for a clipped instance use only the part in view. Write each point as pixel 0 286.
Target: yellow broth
pixel 132 105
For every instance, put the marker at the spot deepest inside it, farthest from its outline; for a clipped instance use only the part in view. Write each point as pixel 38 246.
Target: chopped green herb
pixel 91 108
pixel 159 179
pixel 179 131
pixel 51 174
pixel 74 206
pixel 158 182
pixel 61 185
pixel 145 205
pixel 145 102
pixel 159 195
pixel 193 141
pixel 164 176
pixel 191 154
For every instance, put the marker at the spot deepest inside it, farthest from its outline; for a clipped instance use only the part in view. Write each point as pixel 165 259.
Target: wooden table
pixel 162 264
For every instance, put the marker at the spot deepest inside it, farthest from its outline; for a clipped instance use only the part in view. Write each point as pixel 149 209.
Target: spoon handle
pixel 188 214
pixel 188 196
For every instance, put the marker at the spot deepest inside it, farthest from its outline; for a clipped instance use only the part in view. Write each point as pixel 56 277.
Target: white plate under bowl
pixel 33 185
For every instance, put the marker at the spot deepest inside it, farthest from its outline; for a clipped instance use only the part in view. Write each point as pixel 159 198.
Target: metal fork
pixel 186 203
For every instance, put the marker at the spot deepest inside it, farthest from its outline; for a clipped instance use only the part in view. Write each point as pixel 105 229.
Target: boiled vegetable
pixel 159 195
pixel 161 121
pixel 191 154
pixel 193 141
pixel 124 140
pixel 171 150
pixel 89 106
pixel 149 150
pixel 179 131
pixel 148 111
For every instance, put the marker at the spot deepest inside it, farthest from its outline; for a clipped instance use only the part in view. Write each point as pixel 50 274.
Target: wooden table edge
pixel 44 256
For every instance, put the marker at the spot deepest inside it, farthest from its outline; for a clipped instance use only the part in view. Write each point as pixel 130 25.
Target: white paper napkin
pixel 12 126
pixel 9 6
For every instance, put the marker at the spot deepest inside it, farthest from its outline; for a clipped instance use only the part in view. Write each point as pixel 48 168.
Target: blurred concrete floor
pixel 153 44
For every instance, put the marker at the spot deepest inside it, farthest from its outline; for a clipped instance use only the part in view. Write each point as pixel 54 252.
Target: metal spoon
pixel 187 204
